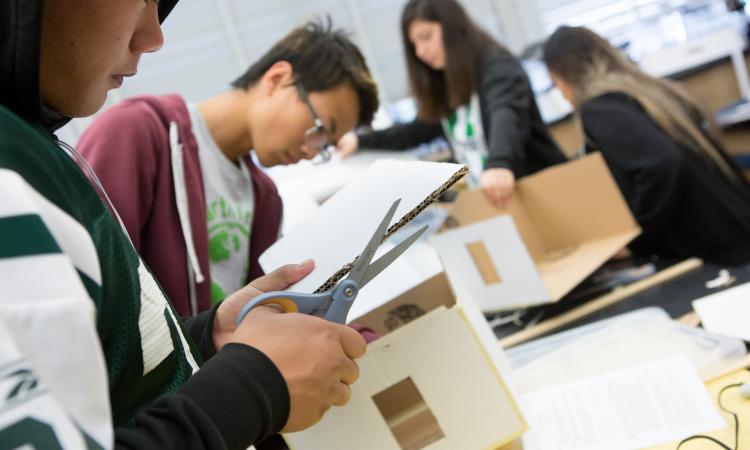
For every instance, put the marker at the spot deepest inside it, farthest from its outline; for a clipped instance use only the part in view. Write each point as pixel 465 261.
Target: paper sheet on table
pixel 628 340
pixel 726 312
pixel 633 408
pixel 343 225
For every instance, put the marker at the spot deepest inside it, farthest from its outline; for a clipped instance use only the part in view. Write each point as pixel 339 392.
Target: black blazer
pixel 684 204
pixel 517 138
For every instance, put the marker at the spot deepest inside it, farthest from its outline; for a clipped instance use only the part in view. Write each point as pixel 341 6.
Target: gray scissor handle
pixel 304 303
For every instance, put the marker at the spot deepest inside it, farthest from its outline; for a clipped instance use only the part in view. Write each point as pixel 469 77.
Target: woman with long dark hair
pixel 472 91
pixel 687 194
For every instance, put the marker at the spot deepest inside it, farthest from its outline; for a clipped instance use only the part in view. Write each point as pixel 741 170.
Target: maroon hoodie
pixel 146 156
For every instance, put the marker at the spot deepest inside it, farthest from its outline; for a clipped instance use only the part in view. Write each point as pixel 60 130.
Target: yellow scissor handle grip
pixel 291 302
pixel 288 304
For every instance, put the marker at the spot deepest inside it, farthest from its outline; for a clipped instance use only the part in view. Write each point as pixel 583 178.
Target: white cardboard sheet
pixel 340 229
pixel 520 284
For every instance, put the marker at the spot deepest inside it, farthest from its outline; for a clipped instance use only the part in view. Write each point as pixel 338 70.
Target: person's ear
pixel 555 79
pixel 565 89
pixel 279 75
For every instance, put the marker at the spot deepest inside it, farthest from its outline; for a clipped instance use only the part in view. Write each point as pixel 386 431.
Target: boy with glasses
pixel 180 174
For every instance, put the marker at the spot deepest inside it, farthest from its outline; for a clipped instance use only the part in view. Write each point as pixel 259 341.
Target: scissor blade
pixel 363 261
pixel 384 261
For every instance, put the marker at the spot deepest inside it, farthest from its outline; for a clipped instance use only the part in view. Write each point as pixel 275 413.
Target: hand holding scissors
pixel 335 303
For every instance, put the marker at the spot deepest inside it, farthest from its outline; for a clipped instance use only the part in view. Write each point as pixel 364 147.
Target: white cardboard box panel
pixel 571 218
pixel 520 284
pixel 457 378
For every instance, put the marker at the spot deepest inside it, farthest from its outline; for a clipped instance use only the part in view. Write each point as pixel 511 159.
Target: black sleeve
pixel 235 400
pixel 401 136
pixel 505 97
pixel 201 330
pixel 646 162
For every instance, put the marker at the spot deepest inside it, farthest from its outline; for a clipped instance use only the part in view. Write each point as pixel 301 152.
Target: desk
pixel 674 296
pixel 731 401
pixel 733 114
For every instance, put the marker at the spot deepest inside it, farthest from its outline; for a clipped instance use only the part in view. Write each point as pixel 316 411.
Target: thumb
pixel 344 149
pixel 283 277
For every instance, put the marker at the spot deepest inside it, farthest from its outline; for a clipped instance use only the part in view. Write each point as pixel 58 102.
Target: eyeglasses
pixel 316 136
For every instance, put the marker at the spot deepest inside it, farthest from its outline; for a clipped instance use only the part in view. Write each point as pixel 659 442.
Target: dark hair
pixel 322 58
pixel 438 92
pixel 569 50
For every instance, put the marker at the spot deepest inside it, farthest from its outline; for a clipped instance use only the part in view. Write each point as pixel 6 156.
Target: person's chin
pixel 292 157
pixel 267 160
pixel 283 157
pixel 87 107
pixel 440 66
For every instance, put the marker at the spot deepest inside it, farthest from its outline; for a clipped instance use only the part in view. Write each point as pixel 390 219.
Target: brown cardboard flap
pixel 557 208
pixel 472 206
pixel 572 219
pixel 560 275
pixel 575 202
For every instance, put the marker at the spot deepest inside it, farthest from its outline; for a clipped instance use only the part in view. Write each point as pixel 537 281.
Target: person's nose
pixel 421 50
pixel 148 36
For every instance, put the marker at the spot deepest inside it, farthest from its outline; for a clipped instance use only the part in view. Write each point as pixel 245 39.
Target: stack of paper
pixel 629 409
pixel 627 340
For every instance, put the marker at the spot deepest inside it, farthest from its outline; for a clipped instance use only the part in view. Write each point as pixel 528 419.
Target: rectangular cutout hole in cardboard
pixel 408 415
pixel 482 260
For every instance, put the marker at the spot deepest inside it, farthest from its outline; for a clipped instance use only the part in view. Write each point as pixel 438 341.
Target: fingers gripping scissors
pixel 335 303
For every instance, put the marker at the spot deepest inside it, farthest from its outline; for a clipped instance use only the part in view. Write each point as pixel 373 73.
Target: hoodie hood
pixel 20 26
pixel 165 7
pixel 20 37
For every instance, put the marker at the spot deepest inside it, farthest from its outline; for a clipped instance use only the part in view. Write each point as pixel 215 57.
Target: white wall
pixel 208 43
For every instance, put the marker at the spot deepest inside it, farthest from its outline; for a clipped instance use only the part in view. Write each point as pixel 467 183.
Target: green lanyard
pixel 464 130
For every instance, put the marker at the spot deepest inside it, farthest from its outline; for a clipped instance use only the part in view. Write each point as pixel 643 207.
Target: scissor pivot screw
pixel 349 292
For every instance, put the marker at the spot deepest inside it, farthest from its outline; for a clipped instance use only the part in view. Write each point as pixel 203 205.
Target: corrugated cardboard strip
pixel 430 199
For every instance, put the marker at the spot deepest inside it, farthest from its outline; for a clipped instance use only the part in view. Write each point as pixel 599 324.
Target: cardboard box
pixel 434 380
pixel 567 221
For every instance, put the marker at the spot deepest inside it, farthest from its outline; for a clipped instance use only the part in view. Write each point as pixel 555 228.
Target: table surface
pixel 674 296
pixel 732 401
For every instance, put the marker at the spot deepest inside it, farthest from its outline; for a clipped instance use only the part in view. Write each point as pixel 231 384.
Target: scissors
pixel 335 303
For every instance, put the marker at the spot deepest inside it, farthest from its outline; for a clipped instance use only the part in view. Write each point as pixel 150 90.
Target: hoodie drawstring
pixel 195 275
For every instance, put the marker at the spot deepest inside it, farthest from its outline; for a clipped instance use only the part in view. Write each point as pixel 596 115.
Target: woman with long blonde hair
pixel 686 193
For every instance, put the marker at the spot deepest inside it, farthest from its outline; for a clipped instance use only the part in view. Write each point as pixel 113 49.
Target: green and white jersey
pixel 83 324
